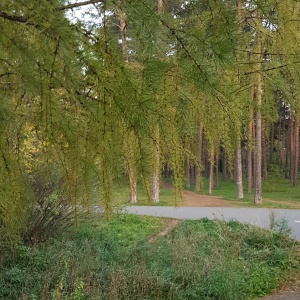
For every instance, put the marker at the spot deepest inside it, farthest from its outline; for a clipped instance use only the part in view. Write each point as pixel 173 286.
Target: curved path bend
pixel 256 216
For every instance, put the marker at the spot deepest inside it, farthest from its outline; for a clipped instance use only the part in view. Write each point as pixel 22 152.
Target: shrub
pixel 50 212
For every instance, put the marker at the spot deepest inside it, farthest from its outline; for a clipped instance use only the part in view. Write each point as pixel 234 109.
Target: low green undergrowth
pixel 115 260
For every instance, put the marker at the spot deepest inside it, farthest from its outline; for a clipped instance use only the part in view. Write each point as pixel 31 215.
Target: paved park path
pixel 256 216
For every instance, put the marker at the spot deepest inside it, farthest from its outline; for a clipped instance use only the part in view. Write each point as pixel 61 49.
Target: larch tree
pixel 239 171
pixel 258 123
pixel 184 83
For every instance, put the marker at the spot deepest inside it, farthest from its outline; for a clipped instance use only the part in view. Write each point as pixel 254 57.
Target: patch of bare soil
pixel 287 293
pixel 171 223
pixel 194 199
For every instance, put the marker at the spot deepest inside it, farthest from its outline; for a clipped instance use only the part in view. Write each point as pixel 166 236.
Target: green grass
pixel 275 188
pixel 120 196
pixel 115 260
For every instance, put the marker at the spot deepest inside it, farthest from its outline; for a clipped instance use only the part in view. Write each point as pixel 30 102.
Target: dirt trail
pixel 169 226
pixel 194 199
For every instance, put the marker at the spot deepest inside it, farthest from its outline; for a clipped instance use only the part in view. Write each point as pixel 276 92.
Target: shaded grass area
pixel 120 196
pixel 277 192
pixel 114 260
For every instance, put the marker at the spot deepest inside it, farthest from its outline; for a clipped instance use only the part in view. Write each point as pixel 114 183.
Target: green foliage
pixel 72 103
pixel 198 260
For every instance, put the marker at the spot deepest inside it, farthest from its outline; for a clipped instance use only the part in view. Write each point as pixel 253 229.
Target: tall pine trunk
pixel 132 186
pixel 264 155
pixel 156 167
pixel 294 151
pixel 224 165
pixel 217 170
pixel 296 144
pixel 283 146
pixel 187 172
pixel 199 164
pixel 271 144
pixel 156 157
pixel 258 133
pixel 211 171
pixel 131 137
pixel 238 153
pixel 239 172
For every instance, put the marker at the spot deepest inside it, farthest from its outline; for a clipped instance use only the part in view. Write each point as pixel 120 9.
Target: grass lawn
pixel 116 259
pixel 277 193
pixel 125 258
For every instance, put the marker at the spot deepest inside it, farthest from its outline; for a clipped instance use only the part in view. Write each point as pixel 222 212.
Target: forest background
pixel 142 91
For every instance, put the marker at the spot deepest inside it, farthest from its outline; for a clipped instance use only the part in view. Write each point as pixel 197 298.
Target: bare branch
pixel 79 4
pixel 25 20
pixel 7 74
pixel 15 18
pixel 265 70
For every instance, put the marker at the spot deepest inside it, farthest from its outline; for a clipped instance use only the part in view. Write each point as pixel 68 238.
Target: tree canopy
pixel 85 102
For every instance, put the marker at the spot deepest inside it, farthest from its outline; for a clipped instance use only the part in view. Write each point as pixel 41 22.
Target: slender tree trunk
pixel 224 165
pixel 187 172
pixel 264 155
pixel 129 150
pixel 278 146
pixel 156 163
pixel 211 171
pixel 234 168
pixel 156 167
pixel 166 172
pixel 155 188
pixel 258 159
pixel 192 173
pixel 258 135
pixel 159 6
pixel 122 18
pixel 238 154
pixel 199 164
pixel 244 162
pixel 239 172
pixel 253 153
pixel 130 157
pixel 206 164
pixel 292 150
pixel 296 156
pixel 187 163
pixel 283 146
pixel 132 187
pixel 287 155
pixel 271 145
pixel 217 171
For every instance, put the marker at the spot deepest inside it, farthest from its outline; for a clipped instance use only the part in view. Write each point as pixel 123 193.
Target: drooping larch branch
pixel 79 4
pixel 25 19
pixel 15 18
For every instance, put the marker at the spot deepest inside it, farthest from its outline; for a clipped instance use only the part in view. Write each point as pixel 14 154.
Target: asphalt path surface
pixel 256 216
